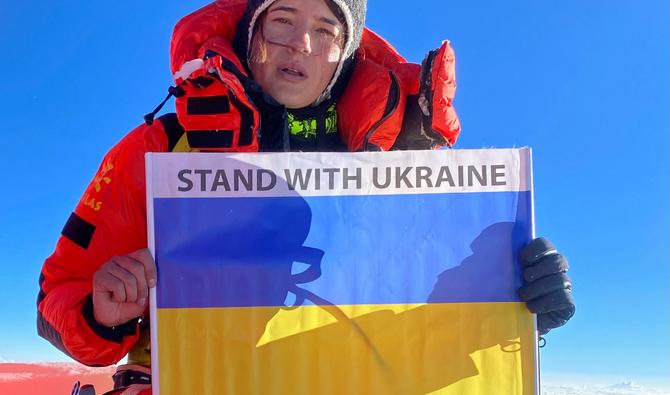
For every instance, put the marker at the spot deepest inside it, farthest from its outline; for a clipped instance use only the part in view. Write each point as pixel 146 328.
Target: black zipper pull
pixel 175 91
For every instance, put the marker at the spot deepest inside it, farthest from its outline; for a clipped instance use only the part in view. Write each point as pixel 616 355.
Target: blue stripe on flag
pixel 383 249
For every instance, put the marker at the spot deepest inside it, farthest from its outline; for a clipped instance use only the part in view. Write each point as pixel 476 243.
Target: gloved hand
pixel 548 289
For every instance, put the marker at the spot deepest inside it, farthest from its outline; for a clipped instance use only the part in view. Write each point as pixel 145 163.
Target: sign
pixel 341 273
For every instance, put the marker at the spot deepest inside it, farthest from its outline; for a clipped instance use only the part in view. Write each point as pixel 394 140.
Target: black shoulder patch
pixel 204 139
pixel 209 105
pixel 79 231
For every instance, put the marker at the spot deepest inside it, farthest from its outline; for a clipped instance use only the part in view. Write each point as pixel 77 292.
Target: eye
pixel 281 20
pixel 325 32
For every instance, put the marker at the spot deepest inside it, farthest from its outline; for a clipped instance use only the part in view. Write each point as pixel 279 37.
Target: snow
pixel 623 388
pixel 188 68
pixel 14 377
pixel 57 378
pixel 565 385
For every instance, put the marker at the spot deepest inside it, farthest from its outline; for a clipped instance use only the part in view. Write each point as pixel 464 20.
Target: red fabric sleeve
pixel 443 86
pixel 109 220
pixel 376 124
pixel 377 49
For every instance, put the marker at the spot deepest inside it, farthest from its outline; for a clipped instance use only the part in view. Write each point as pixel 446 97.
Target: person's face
pixel 303 45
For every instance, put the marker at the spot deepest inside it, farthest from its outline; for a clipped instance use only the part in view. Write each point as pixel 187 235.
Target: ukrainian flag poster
pixel 341 273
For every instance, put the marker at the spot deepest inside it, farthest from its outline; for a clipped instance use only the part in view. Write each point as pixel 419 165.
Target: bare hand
pixel 121 288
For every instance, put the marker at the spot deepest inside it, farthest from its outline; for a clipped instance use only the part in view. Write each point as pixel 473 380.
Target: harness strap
pixel 173 130
pixel 130 375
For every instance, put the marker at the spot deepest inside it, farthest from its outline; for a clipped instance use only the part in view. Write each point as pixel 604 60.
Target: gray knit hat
pixel 354 15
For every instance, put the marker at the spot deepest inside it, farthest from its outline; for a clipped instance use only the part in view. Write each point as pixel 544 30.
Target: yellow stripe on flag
pixel 459 348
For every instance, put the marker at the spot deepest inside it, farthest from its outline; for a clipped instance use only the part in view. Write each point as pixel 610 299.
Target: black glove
pixel 548 289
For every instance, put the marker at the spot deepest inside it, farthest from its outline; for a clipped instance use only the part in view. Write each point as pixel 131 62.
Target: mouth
pixel 292 72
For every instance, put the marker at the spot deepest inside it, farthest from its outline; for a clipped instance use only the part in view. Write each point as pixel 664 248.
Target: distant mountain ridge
pixel 59 377
pixel 51 377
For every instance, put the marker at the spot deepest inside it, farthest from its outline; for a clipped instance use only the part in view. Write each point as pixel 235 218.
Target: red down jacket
pixel 110 218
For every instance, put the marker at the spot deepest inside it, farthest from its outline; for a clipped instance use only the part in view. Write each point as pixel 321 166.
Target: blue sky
pixel 584 83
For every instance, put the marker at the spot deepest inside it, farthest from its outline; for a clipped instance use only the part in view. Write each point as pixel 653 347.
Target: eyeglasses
pixel 286 33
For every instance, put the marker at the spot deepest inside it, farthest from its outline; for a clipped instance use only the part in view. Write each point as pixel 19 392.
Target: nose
pixel 301 41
